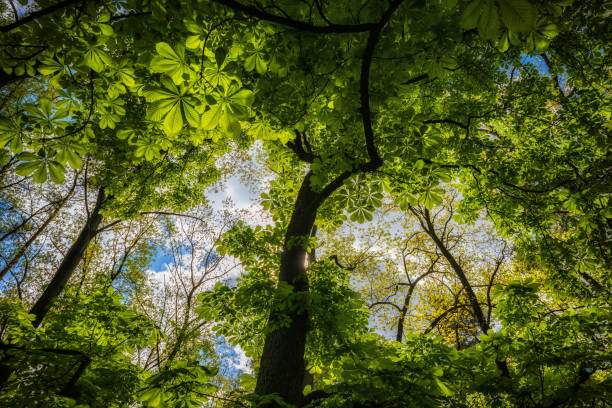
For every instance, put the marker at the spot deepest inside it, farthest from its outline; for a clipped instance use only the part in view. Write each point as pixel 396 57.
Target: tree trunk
pixel 477 310
pixel 478 313
pixel 63 274
pixel 70 262
pixel 21 251
pixel 399 335
pixel 282 363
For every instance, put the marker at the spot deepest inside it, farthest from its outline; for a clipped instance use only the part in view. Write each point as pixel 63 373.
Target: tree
pixel 352 102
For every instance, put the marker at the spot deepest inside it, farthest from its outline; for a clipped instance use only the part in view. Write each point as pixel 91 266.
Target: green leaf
pixel 40 175
pixel 56 172
pixel 125 133
pixel 74 160
pixel 518 15
pixel 192 116
pixel 488 24
pixel 249 63
pixel 194 42
pixel 173 122
pixel 27 156
pixel 243 97
pixel 443 388
pixel 171 62
pixel 106 29
pixel 210 118
pixel 471 14
pixel 503 43
pixel 96 59
pixel 166 51
pixel 220 54
pixel 230 124
pixel 49 66
pixel 152 397
pixel 261 66
pixel 27 168
pixel 549 30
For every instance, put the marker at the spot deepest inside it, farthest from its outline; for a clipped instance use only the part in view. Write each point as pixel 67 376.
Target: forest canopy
pixel 314 203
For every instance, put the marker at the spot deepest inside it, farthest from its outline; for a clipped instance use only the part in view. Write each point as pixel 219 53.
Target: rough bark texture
pixel 69 263
pixel 282 363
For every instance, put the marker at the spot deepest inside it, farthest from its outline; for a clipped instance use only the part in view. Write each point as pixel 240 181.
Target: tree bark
pixel 70 262
pixel 282 363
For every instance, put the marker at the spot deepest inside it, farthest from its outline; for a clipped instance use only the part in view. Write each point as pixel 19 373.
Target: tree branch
pixel 38 14
pixel 364 84
pixel 299 25
pixel 298 148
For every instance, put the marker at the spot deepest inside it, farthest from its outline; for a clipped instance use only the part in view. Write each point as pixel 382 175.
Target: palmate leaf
pixel 361 215
pixel 39 168
pixel 27 168
pixel 210 118
pixel 152 397
pixel 488 24
pixel 40 175
pixel 518 15
pixel 159 109
pixel 243 97
pixel 96 59
pixel 173 105
pixel 406 200
pixel 231 108
pixel 431 198
pixel 68 155
pixel 50 66
pixel 10 132
pixel 56 171
pixel 215 76
pixel 471 14
pixel 173 121
pixel 257 63
pixel 171 62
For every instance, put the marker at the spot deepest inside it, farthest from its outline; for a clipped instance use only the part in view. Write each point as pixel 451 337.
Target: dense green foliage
pixel 437 168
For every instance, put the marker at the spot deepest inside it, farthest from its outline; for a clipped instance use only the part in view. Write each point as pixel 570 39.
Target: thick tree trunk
pixel 282 363
pixel 70 262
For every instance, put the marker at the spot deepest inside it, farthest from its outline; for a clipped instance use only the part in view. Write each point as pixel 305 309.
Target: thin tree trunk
pixel 61 277
pixel 282 363
pixel 477 310
pixel 399 335
pixel 70 262
pixel 10 264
